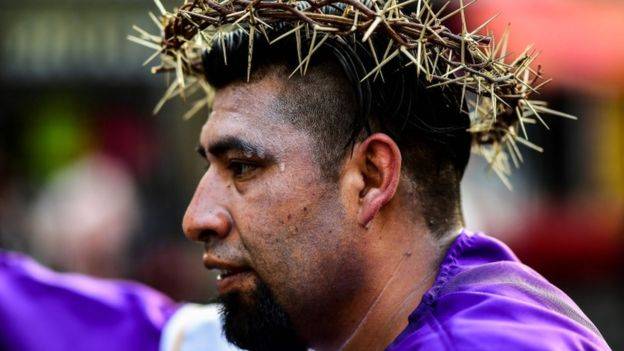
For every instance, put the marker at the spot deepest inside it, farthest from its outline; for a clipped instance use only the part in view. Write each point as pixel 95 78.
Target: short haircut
pixel 334 105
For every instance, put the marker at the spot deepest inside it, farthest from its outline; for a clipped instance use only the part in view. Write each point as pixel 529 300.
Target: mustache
pixel 227 253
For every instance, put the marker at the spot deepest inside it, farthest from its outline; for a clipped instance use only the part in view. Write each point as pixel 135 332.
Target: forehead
pixel 250 111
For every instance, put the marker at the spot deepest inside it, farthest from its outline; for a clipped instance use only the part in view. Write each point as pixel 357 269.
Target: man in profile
pixel 331 201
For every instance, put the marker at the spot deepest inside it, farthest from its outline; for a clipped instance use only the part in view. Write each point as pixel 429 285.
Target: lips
pixel 231 276
pixel 226 273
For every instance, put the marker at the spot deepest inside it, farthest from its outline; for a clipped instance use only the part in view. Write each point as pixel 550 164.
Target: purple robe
pixel 482 299
pixel 44 310
pixel 485 299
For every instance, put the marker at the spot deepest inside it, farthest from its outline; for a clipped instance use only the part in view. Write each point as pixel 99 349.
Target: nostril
pixel 206 235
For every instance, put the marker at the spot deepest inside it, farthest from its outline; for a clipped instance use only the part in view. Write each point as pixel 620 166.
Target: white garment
pixel 195 328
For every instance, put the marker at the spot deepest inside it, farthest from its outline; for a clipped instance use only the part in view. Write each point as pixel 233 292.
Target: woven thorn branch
pixel 495 90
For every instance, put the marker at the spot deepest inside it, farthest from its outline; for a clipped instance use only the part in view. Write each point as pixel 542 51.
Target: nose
pixel 204 217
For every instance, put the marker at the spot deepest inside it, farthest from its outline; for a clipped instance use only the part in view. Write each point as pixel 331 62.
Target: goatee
pixel 255 321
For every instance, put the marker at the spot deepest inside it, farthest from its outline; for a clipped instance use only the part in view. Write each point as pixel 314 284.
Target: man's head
pixel 305 173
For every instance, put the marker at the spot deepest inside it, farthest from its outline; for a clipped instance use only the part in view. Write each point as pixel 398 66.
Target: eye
pixel 241 169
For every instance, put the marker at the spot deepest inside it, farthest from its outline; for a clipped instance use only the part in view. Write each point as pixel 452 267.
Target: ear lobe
pixel 381 171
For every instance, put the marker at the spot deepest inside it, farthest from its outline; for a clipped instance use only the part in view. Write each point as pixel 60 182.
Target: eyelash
pixel 234 166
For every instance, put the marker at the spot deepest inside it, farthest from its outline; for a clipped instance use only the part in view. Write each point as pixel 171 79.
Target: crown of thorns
pixel 495 89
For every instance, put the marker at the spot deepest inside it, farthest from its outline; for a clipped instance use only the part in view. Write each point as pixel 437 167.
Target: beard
pixel 255 321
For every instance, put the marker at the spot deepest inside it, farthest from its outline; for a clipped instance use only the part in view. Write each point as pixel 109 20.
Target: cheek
pixel 299 240
pixel 277 223
pixel 270 211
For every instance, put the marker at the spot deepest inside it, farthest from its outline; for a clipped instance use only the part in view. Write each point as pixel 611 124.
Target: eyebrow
pixel 232 143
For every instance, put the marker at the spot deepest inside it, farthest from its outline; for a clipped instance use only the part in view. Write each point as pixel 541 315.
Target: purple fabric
pixel 485 299
pixel 44 310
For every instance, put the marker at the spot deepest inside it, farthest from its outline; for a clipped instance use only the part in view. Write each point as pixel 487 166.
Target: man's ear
pixel 377 162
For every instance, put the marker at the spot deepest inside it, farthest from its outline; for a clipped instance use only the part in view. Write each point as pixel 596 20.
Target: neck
pixel 379 313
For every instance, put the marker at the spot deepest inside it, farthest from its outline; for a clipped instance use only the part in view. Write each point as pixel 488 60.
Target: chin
pixel 254 320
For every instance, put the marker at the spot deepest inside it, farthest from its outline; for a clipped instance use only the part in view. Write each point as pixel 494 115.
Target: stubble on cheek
pixel 308 260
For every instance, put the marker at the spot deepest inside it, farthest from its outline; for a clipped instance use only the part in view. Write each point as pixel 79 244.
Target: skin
pixel 348 260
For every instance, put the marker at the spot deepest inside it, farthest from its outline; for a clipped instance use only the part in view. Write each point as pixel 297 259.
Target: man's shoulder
pixel 506 305
pixel 485 298
pixel 470 332
pixel 487 276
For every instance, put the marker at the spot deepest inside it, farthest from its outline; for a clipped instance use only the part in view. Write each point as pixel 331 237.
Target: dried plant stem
pixel 495 93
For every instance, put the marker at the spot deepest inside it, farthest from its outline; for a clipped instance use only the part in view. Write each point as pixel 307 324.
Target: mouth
pixel 223 274
pixel 228 282
pixel 230 277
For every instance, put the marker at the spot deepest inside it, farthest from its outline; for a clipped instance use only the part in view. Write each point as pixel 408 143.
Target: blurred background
pixel 91 181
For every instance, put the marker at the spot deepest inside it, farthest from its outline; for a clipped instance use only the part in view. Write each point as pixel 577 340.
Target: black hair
pixel 426 123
